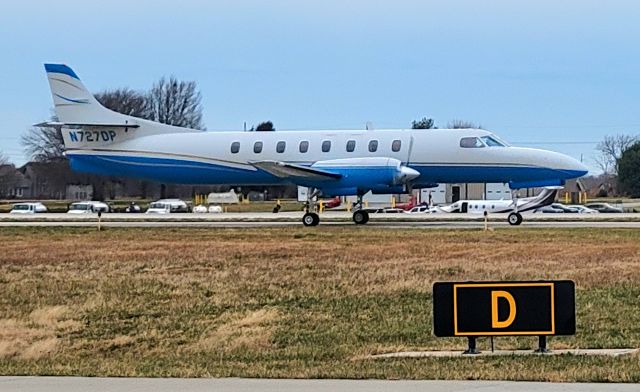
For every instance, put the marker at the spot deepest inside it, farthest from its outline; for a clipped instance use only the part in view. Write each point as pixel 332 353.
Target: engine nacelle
pixel 384 175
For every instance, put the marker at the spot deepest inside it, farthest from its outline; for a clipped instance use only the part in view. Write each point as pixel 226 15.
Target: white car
pixel 88 207
pixel 199 209
pixel 422 210
pixel 167 206
pixel 215 209
pixel 28 208
pixel 583 210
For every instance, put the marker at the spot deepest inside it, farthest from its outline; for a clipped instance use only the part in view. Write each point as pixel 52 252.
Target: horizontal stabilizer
pixel 288 170
pixel 55 124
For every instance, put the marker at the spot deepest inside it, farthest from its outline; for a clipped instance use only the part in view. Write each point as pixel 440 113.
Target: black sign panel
pixel 504 308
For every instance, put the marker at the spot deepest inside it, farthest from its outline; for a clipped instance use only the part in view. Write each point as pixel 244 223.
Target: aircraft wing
pixel 289 170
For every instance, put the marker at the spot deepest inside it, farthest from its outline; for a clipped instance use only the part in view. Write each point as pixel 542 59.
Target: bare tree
pixel 125 101
pixel 4 160
pixel 610 150
pixel 176 103
pixel 43 144
pixel 460 124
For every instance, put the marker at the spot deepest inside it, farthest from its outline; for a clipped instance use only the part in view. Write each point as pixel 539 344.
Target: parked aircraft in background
pixel 332 163
pixel 514 207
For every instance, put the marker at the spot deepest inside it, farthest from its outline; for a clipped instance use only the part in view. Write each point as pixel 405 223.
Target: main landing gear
pixel 360 216
pixel 310 217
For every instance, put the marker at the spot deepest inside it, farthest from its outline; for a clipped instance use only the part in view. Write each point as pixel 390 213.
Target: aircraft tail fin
pixel 74 103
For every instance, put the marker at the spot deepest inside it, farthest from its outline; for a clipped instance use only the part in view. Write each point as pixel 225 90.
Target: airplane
pixel 330 162
pixel 513 206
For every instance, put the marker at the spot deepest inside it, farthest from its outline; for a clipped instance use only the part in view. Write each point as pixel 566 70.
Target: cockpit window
pixel 491 141
pixel 471 142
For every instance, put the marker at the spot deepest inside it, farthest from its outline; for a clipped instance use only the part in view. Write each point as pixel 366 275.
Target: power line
pixel 554 143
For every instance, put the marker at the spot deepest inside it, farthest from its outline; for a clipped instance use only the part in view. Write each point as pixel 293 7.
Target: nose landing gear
pixel 515 218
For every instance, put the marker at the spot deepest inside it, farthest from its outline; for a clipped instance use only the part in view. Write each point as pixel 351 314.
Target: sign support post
pixel 472 346
pixel 542 344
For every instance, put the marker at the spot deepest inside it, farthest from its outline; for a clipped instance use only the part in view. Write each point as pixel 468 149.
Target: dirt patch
pixel 252 330
pixel 36 336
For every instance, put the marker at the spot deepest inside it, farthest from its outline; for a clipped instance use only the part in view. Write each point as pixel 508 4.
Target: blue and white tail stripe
pixel 60 69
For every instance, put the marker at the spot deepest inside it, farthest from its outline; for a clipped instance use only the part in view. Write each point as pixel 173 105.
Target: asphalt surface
pixel 81 384
pixel 386 221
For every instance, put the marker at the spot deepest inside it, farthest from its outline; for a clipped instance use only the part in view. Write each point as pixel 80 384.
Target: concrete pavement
pixel 83 384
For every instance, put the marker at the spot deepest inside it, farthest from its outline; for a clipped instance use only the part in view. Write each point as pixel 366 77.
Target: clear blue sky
pixel 552 72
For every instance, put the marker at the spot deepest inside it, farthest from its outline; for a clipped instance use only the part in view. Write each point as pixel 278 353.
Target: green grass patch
pixel 296 302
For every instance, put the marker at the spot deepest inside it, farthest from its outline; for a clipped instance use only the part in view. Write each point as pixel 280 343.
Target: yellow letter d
pixel 495 322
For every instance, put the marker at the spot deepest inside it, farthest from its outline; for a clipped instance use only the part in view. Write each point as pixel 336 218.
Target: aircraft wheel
pixel 310 219
pixel 514 218
pixel 360 217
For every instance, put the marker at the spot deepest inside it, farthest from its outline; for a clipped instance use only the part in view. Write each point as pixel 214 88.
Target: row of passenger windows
pixel 326 146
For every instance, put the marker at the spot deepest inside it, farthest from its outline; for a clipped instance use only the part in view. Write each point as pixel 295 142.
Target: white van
pixel 28 208
pixel 87 207
pixel 167 206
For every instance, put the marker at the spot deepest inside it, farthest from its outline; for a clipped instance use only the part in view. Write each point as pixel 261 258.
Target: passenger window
pixel 395 145
pixel 235 147
pixel 280 147
pixel 373 145
pixel 304 146
pixel 326 146
pixel 351 145
pixel 471 142
pixel 257 147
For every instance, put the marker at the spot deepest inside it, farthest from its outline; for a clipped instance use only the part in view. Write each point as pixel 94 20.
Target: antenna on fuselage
pixel 369 126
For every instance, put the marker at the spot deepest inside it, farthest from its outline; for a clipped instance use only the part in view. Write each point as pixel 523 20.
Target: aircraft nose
pixel 572 168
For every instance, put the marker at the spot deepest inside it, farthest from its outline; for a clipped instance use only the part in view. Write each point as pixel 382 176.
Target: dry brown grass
pixel 287 302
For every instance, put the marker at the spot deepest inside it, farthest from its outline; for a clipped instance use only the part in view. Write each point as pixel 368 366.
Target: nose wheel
pixel 514 219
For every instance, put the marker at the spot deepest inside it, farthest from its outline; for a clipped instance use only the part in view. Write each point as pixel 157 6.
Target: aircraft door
pixel 455 194
pixel 464 207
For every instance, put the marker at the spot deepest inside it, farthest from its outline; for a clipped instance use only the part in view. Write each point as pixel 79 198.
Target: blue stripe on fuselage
pixel 182 171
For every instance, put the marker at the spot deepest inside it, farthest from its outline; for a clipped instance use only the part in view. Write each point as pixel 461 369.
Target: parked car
pixel 167 206
pixel 88 207
pixel 422 209
pixel 215 209
pixel 28 208
pixel 133 208
pixel 565 208
pixel 550 209
pixel 557 208
pixel 583 210
pixel 603 207
pixel 200 209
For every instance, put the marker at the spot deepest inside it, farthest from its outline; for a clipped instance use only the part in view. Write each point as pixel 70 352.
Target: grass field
pixel 296 302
